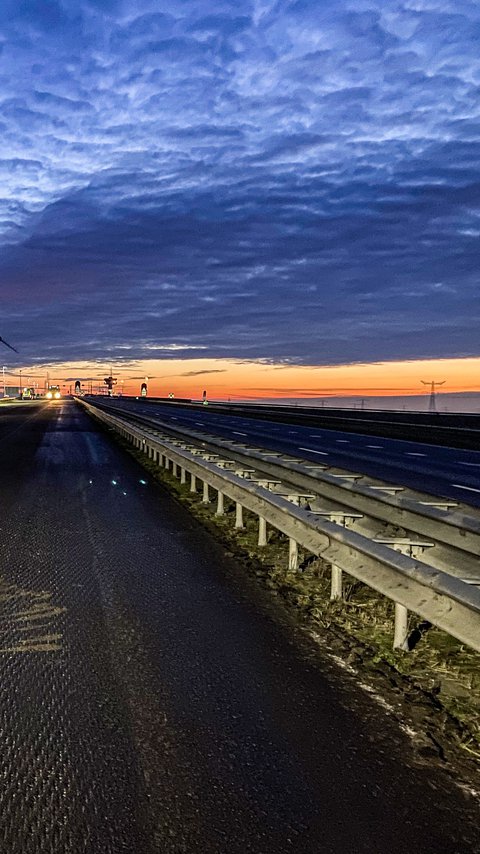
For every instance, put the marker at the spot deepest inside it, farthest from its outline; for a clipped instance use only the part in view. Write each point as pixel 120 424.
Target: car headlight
pixel 57 395
pixel 49 395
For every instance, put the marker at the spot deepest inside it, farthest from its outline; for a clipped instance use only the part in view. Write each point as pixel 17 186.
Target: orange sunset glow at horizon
pixel 229 378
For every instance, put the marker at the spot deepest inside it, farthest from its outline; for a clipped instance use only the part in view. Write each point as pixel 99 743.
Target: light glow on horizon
pixel 237 380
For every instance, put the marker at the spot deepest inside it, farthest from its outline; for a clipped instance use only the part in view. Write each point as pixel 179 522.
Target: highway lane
pixel 154 699
pixel 445 472
pixel 21 431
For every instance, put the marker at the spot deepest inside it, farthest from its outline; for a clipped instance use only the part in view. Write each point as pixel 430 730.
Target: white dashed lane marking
pixel 470 488
pixel 236 433
pixel 312 451
pixel 412 454
pixel 374 446
pixel 343 441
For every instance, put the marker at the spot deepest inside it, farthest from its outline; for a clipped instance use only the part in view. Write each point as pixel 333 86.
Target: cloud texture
pixel 292 181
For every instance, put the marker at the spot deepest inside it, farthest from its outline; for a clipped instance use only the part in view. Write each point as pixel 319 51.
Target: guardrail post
pixel 336 590
pixel 220 508
pixel 400 637
pixel 166 463
pixel 262 531
pixel 238 515
pixel 175 470
pixel 183 475
pixel 206 495
pixel 193 483
pixel 292 554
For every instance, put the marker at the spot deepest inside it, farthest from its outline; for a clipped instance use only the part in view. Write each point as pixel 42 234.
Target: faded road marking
pixel 27 621
pixel 470 488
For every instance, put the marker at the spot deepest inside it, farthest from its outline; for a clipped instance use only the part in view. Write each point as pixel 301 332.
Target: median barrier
pixel 436 596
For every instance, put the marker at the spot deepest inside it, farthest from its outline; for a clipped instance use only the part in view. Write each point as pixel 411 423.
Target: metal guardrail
pixel 388 505
pixel 439 598
pixel 455 429
pixel 438 519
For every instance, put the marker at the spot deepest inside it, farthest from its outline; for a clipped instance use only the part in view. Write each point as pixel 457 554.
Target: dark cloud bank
pixel 282 180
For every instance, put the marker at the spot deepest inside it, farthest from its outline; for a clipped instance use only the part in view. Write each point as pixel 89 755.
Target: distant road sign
pixel 110 382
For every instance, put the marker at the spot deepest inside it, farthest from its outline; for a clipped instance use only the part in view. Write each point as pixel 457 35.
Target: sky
pixel 279 185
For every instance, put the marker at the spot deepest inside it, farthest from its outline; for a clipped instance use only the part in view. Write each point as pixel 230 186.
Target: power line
pixel 2 340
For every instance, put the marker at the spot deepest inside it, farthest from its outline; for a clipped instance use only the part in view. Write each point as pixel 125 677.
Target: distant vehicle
pixel 53 393
pixel 28 394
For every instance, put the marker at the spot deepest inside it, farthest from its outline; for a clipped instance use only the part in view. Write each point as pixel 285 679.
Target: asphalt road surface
pixel 154 699
pixel 445 472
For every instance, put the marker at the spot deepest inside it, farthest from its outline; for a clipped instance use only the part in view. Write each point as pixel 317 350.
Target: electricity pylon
pixel 432 383
pixel 2 340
